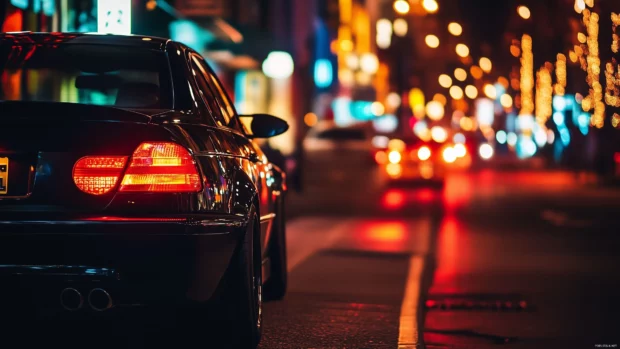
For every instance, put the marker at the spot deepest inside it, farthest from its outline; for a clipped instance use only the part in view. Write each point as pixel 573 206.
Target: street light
pixel 430 6
pixel 401 6
pixel 455 29
pixel 524 12
pixel 432 41
pixel 462 50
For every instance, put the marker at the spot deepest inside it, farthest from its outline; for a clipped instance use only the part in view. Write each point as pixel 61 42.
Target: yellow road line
pixel 409 331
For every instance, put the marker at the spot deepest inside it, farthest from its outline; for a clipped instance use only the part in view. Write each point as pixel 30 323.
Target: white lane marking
pixel 409 331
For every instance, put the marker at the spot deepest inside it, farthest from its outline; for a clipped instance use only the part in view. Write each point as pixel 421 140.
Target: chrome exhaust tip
pixel 99 299
pixel 71 299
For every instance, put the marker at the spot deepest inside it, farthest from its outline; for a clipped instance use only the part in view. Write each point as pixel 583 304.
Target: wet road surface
pixel 495 259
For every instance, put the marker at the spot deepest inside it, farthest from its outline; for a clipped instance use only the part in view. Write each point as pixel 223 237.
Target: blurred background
pixel 512 81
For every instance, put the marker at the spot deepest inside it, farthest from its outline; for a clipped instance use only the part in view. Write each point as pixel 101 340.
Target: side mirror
pixel 265 125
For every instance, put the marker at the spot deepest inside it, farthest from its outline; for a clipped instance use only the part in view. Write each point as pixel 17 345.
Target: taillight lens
pixel 161 167
pixel 97 175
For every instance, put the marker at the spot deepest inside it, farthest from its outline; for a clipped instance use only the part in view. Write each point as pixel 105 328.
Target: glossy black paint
pixel 173 247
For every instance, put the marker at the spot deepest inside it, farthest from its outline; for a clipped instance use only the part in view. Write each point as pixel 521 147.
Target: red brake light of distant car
pixel 162 167
pixel 97 175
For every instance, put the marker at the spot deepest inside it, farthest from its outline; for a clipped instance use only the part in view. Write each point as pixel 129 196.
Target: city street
pixel 521 260
pixel 495 259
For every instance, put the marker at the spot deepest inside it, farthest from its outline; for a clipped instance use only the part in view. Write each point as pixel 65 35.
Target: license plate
pixel 4 176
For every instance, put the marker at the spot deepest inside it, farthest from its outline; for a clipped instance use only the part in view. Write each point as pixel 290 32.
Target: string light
pixel 560 75
pixel 612 90
pixel 615 22
pixel 527 76
pixel 544 96
pixel 612 70
pixel 615 120
pixel 595 96
pixel 581 37
pixel 580 5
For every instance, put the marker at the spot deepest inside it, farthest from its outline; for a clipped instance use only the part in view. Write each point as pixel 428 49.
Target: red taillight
pixel 161 167
pixel 98 175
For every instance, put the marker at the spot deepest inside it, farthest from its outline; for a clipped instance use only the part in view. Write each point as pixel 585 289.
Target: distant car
pixel 414 160
pixel 127 180
pixel 339 154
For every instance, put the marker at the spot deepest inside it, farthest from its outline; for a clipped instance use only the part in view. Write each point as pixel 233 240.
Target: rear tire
pixel 275 287
pixel 243 300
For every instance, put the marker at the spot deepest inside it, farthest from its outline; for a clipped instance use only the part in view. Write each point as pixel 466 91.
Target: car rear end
pixel 100 207
pixel 418 161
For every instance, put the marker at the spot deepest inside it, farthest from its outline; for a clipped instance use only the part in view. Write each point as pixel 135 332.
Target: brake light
pixel 97 175
pixel 161 167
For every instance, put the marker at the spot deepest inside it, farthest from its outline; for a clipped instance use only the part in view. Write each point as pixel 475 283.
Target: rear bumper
pixel 139 261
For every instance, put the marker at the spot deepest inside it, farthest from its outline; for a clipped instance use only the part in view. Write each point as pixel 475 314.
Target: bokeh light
pixel 460 74
pixel 490 91
pixel 393 100
pixel 456 92
pixel 401 6
pixel 430 6
pixel 462 50
pixel 524 12
pixel 455 29
pixel 439 134
pixel 486 151
pixel 435 110
pixel 310 119
pixel 440 98
pixel 486 64
pixel 506 101
pixel 432 41
pixel 445 80
pixel 377 108
pixel 400 27
pixel 424 153
pixel 471 91
pixel 476 72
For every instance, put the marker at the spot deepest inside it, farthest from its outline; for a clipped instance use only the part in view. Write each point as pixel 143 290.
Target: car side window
pixel 226 105
pixel 207 95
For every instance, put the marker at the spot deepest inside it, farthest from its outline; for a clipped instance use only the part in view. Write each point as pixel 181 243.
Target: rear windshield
pixel 87 74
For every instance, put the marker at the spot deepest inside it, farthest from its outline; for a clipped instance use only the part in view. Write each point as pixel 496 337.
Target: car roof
pixel 57 38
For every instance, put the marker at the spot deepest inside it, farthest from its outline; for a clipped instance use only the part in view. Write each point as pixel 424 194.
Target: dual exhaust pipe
pixel 98 299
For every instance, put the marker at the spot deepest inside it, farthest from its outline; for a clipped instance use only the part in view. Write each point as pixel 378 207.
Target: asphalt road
pixel 495 259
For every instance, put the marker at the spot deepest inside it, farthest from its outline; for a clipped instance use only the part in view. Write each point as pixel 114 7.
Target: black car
pixel 127 179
